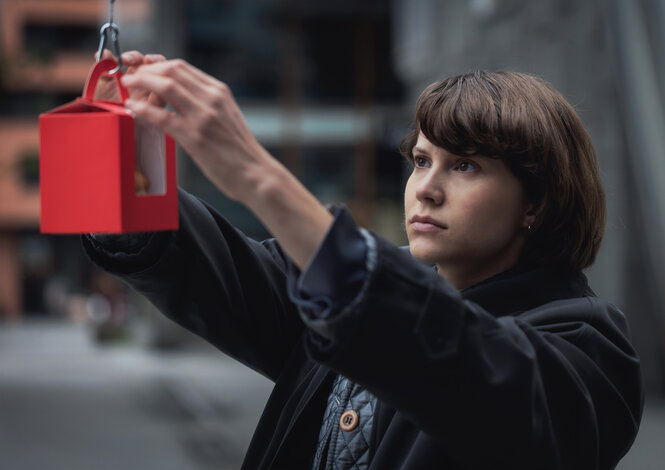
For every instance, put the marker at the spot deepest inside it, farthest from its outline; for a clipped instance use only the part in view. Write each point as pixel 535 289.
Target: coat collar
pixel 520 289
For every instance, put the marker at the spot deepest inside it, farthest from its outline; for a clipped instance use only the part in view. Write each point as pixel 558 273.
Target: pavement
pixel 69 403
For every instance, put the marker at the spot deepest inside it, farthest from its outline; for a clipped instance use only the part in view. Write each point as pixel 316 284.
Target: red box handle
pixel 100 68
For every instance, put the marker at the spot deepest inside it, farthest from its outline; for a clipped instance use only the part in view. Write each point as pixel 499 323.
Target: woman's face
pixel 467 215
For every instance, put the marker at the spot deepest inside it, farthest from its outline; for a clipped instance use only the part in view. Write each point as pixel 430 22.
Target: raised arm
pixel 210 127
pixel 213 280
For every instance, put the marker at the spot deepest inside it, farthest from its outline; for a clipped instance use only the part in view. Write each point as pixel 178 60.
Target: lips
pixel 424 223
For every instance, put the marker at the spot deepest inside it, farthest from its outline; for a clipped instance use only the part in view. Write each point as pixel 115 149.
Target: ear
pixel 530 215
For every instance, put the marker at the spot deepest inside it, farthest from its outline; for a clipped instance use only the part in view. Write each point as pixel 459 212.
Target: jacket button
pixel 349 420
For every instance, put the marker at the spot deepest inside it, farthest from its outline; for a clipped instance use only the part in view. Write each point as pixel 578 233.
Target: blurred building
pixel 317 84
pixel 329 87
pixel 46 50
pixel 315 80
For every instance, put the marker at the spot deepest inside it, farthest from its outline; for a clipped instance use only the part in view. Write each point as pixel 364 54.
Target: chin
pixel 423 251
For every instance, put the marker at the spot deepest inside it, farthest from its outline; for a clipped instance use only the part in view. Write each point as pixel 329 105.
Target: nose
pixel 430 189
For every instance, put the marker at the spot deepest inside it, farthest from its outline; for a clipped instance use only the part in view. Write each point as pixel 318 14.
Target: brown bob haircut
pixel 524 121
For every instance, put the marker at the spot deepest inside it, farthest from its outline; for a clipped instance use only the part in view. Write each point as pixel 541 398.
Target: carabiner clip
pixel 116 45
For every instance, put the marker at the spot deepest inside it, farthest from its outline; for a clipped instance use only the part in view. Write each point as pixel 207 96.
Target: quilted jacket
pixel 346 448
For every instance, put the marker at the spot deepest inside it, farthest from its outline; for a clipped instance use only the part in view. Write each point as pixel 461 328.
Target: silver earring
pixel 529 228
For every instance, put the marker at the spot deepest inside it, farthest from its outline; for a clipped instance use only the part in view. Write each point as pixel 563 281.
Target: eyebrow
pixel 425 152
pixel 419 150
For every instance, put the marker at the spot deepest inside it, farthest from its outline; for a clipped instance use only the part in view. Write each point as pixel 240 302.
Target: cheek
pixel 492 211
pixel 408 188
pixel 409 197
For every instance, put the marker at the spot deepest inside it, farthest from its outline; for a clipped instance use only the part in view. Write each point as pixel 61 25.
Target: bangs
pixel 460 117
pixel 497 115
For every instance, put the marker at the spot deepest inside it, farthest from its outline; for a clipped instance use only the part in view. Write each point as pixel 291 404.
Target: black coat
pixel 527 370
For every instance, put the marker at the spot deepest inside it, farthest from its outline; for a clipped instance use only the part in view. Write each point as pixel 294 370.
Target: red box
pixel 88 163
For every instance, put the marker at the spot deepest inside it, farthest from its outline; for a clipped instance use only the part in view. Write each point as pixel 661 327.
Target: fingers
pixel 130 58
pixel 133 58
pixel 202 103
pixel 179 84
pixel 156 100
pixel 154 58
pixel 167 89
pixel 162 118
pixel 178 68
pixel 106 54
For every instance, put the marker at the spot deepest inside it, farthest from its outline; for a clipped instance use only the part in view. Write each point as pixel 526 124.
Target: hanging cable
pixel 115 32
pixel 111 2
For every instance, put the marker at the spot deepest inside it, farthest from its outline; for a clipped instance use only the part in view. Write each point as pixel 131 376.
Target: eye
pixel 466 166
pixel 421 162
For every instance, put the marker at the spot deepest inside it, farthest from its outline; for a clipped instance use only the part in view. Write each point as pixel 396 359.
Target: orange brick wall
pixel 65 72
pixel 19 204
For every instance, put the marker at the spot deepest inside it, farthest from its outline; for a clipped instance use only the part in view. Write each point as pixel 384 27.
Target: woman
pixel 494 353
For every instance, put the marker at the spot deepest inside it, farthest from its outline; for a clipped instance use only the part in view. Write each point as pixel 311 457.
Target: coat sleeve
pixel 555 387
pixel 216 282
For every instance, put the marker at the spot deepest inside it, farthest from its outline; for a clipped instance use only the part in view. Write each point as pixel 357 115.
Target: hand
pixel 207 122
pixel 210 127
pixel 107 88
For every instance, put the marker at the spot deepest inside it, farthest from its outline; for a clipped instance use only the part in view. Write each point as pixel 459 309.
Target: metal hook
pixel 115 32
